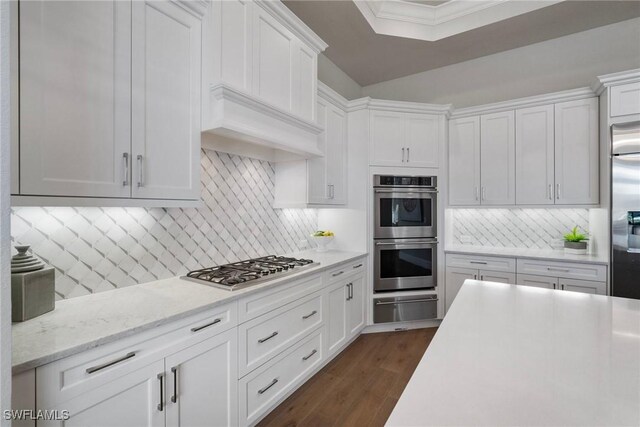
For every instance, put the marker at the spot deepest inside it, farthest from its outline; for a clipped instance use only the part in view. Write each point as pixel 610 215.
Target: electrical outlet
pixel 466 239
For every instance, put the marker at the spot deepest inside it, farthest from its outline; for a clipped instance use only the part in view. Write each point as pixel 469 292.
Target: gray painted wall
pixel 564 63
pixel 336 79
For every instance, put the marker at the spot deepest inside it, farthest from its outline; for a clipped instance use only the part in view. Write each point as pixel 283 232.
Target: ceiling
pixel 370 58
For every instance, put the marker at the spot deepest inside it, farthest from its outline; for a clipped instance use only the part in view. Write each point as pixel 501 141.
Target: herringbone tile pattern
pixel 97 249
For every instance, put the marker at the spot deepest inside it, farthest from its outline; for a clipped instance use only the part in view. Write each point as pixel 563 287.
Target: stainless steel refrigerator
pixel 625 211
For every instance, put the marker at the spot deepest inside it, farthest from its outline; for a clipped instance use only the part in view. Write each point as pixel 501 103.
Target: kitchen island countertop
pixel 81 323
pixel 509 355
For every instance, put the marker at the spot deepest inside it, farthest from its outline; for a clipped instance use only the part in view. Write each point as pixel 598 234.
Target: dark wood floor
pixel 360 387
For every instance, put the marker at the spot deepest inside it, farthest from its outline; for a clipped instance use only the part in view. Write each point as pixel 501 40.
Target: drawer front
pixel 537 281
pixel 262 338
pixel 625 99
pixel 338 273
pixel 67 378
pixel 269 300
pixel 584 286
pixel 265 387
pixel 493 276
pixel 566 270
pixel 489 263
pixel 403 309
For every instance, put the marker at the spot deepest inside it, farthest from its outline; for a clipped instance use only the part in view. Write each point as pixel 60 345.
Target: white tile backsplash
pixel 97 249
pixel 514 228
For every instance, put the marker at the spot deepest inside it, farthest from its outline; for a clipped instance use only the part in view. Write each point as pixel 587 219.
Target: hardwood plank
pixel 384 412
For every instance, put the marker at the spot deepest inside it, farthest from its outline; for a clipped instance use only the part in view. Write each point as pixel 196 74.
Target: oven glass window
pixel 405 263
pixel 405 212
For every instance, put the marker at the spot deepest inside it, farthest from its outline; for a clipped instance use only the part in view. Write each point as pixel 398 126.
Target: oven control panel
pixel 404 181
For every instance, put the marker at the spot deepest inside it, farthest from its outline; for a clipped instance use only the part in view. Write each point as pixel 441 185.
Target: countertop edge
pixel 70 351
pixel 550 257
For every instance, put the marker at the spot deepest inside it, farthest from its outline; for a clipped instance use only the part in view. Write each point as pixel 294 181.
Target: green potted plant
pixel 575 242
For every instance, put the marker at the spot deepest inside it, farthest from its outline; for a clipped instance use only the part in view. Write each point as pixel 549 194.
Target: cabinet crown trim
pixel 330 95
pixel 530 101
pixel 613 79
pixel 286 17
pixel 400 106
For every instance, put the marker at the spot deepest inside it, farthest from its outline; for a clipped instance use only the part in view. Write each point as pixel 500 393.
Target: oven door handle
pixel 422 242
pixel 405 191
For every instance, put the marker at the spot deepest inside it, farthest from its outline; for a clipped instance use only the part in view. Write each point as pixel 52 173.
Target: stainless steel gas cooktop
pixel 241 274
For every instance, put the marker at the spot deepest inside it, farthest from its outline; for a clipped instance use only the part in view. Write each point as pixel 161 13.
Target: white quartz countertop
pixel 509 355
pixel 548 254
pixel 85 322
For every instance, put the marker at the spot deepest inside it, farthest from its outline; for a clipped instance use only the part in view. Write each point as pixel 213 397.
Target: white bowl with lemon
pixel 322 239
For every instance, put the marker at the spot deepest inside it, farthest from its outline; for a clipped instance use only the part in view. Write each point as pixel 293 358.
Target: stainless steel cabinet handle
pixel 554 285
pixel 274 382
pixel 174 370
pixel 350 291
pixel 357 266
pixel 404 192
pixel 125 160
pixel 328 191
pixel 408 301
pixel 475 277
pixel 310 314
pixel 140 173
pixel 484 193
pixel 337 274
pixel 558 191
pixel 97 368
pixel 421 242
pixel 408 154
pixel 478 262
pixel 268 338
pixel 198 328
pixel 562 286
pixel 477 191
pixel 481 277
pixel 564 270
pixel 402 154
pixel 310 354
pixel 161 404
pixel 549 193
pixel 333 191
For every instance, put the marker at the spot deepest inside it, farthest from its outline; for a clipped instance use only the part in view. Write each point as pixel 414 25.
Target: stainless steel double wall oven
pixel 405 244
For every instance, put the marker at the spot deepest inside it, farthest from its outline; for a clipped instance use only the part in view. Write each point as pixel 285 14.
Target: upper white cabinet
pixel 625 99
pixel 497 159
pixel 464 161
pixel 166 57
pixel 261 84
pixel 534 156
pixel 400 138
pixel 576 152
pixel 110 100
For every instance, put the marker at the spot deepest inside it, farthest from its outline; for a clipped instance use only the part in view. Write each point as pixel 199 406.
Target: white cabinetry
pixel 583 286
pixel 337 320
pixel 534 156
pixel 464 161
pixel 497 159
pixel 625 99
pixel 537 281
pixel 110 100
pixel 202 387
pixel 576 152
pixel 346 306
pixel 405 139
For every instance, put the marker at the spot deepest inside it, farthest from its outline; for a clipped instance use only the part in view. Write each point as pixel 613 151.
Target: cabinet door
pixel 166 101
pixel 534 156
pixel 202 384
pixel 422 140
pixel 355 306
pixel 231 53
pixel 337 320
pixel 576 152
pixel 494 276
pixel 537 281
pixel 336 155
pixel 305 82
pixel 387 139
pixel 138 399
pixel 464 161
pixel 274 49
pixel 498 159
pixel 625 99
pixel 75 95
pixel 454 279
pixel 584 286
pixel 317 187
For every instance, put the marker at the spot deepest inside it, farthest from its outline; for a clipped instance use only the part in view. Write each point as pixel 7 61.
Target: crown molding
pixel 530 101
pixel 287 18
pixel 614 79
pixel 330 95
pixel 409 107
pixel 425 22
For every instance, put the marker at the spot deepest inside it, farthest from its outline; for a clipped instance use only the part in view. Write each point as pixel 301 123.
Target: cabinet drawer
pixel 537 281
pixel 625 99
pixel 271 299
pixel 66 378
pixel 343 270
pixel 262 338
pixel 264 388
pixel 493 276
pixel 584 286
pixel 566 270
pixel 489 263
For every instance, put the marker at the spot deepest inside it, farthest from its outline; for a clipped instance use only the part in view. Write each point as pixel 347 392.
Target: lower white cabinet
pixel 456 276
pixel 346 311
pixel 202 386
pixel 537 281
pixel 355 306
pixel 574 285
